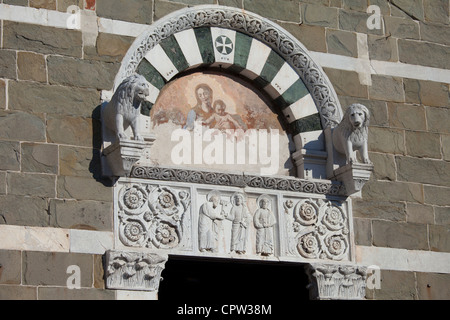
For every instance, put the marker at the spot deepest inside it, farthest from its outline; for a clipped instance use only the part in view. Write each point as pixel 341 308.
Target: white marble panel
pixel 300 109
pixel 224 41
pixel 159 59
pixel 257 58
pixel 188 44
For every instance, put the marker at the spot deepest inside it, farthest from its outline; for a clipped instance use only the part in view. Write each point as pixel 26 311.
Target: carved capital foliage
pixel 336 282
pixel 134 270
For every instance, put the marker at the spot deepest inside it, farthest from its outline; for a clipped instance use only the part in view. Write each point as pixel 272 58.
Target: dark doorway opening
pixel 221 281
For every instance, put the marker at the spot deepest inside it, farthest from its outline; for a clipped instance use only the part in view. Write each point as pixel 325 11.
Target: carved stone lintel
pixel 134 271
pixel 121 156
pixel 354 176
pixel 336 282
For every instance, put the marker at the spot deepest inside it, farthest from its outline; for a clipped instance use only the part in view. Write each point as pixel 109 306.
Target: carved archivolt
pixel 287 46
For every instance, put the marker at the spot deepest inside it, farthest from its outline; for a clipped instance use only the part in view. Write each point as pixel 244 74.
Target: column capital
pixel 336 282
pixel 134 271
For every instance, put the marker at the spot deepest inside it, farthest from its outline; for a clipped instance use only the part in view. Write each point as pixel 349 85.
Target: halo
pixel 211 194
pixel 264 196
pixel 241 194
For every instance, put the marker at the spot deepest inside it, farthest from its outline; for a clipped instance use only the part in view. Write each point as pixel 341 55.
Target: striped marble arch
pixel 242 43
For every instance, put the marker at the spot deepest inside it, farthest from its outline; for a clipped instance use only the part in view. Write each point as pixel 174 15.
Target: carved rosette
pixel 152 216
pixel 133 270
pixel 318 229
pixel 337 282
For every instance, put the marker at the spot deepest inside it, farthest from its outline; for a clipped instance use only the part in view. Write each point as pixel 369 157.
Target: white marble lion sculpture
pixel 351 134
pixel 124 109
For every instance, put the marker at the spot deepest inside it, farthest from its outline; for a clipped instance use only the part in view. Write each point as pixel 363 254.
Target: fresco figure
pixel 221 119
pixel 203 110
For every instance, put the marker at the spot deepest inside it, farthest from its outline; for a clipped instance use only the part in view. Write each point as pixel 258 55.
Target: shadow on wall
pixel 95 166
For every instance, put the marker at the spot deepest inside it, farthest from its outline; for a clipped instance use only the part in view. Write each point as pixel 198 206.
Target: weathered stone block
pixel 163 8
pixel 413 8
pixel 437 195
pixel 438 119
pixel 86 215
pixel 83 189
pixel 314 14
pixel 442 215
pixel 42 98
pixel 376 209
pixel 387 88
pixel 346 83
pixel 16 2
pixel 21 126
pixel 110 47
pixel 55 293
pixel 81 73
pixel 10 266
pixel 446 146
pixel 396 285
pixel 435 33
pixel 286 10
pixel 342 43
pixel 429 93
pixel 418 213
pixel 312 37
pixel 31 66
pixel 9 156
pixel 406 116
pixel 75 131
pixel 423 144
pixel 423 170
pixel 382 48
pixel 8 292
pixel 356 21
pixel 394 191
pixel 2 184
pixel 400 235
pixel 386 140
pixel 8 64
pixel 42 39
pixel 23 211
pixel 439 238
pixel 137 11
pixel 424 53
pixel 43 4
pixel 363 231
pixel 50 269
pixel 433 286
pixel 403 28
pixel 384 166
pixel 80 162
pixel 231 3
pixel 41 158
pixel 63 5
pixel 436 11
pixel 27 184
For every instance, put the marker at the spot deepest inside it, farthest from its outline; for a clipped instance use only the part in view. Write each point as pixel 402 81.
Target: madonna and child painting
pixel 202 111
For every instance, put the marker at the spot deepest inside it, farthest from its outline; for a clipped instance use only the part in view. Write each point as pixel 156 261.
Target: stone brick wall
pixel 51 80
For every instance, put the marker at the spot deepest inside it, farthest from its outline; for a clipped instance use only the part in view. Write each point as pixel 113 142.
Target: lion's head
pixel 134 89
pixel 356 120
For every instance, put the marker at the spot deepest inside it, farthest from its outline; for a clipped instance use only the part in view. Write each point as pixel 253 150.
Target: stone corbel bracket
pixel 120 157
pixel 336 282
pixel 134 271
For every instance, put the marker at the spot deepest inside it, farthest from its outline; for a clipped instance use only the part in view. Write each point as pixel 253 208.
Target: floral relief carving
pixel 318 229
pixel 153 216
